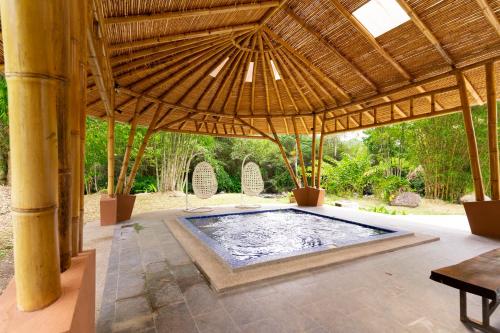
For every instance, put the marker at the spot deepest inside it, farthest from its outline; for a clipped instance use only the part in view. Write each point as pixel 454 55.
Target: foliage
pixel 384 210
pixel 4 131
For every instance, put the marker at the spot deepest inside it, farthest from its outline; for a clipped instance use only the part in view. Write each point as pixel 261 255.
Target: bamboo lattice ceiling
pixel 327 62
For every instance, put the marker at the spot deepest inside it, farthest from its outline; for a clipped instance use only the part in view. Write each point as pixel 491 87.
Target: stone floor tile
pixel 175 318
pixel 217 321
pixel 267 325
pixel 162 292
pixel 201 299
pixel 133 313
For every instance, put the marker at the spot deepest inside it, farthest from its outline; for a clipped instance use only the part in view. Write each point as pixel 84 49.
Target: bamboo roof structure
pixel 150 55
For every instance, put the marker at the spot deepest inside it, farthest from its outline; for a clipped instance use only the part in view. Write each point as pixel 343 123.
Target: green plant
pixel 384 210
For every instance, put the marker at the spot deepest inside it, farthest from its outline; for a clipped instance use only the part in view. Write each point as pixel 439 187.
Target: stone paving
pixel 151 285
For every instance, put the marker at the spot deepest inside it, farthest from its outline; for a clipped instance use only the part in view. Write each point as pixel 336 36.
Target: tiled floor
pixel 151 285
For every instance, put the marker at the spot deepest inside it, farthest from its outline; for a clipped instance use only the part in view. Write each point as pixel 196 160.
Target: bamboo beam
pixel 170 48
pixel 299 151
pixel 77 79
pixel 191 13
pixel 474 93
pixel 264 74
pixel 98 58
pixel 313 153
pixel 255 129
pixel 111 155
pixel 30 70
pixel 83 67
pixel 369 37
pixel 401 100
pixel 341 128
pixel 426 31
pixel 404 87
pixel 183 36
pixel 309 64
pixel 320 152
pixel 283 153
pixel 142 148
pixel 330 47
pixel 493 130
pixel 489 14
pixel 64 143
pixel 128 150
pixel 471 139
pixel 270 13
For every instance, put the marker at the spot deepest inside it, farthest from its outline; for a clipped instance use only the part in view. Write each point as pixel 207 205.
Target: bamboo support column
pixel 493 130
pixel 76 18
pixel 30 40
pixel 64 142
pixel 313 153
pixel 83 114
pixel 128 150
pixel 142 148
pixel 320 152
pixel 299 151
pixel 283 154
pixel 111 154
pixel 471 139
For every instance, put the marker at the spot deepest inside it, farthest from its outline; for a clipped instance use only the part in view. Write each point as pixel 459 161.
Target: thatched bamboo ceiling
pixel 328 64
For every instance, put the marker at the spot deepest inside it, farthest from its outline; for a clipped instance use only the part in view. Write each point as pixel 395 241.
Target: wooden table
pixel 480 276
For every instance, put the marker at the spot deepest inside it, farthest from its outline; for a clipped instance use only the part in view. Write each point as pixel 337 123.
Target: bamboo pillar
pixel 76 109
pixel 111 153
pixel 493 130
pixel 142 148
pixel 128 150
pixel 471 139
pixel 299 151
pixel 30 39
pixel 320 152
pixel 64 141
pixel 283 154
pixel 83 115
pixel 313 152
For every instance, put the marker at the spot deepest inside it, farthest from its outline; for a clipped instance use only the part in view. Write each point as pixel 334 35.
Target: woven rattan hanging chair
pixel 204 184
pixel 251 183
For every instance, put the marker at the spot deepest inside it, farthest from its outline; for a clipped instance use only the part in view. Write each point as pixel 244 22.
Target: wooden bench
pixel 480 276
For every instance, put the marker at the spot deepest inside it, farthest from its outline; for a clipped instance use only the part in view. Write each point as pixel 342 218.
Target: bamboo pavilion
pixel 248 69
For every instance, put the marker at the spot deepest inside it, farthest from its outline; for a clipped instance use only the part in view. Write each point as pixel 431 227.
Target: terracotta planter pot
pixel 309 196
pixel 108 207
pixel 116 209
pixel 484 218
pixel 124 207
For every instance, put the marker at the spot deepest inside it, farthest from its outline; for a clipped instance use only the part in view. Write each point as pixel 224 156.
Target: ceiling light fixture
pixel 218 68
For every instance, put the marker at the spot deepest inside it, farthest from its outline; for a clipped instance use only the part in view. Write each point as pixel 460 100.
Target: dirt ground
pixel 160 201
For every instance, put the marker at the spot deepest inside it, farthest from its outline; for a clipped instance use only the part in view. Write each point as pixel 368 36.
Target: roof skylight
pixel 380 16
pixel 249 76
pixel 218 68
pixel 275 71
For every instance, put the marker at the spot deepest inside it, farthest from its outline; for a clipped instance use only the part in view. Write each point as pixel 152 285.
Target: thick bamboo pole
pixel 299 151
pixel 128 149
pixel 313 153
pixel 76 110
pixel 320 152
pixel 111 153
pixel 471 139
pixel 142 148
pixel 493 130
pixel 83 86
pixel 283 154
pixel 64 142
pixel 30 39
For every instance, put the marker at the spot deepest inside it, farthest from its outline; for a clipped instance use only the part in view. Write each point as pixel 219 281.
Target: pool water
pixel 246 237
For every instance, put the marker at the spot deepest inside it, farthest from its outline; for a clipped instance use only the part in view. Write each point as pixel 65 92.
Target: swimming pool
pixel 249 238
